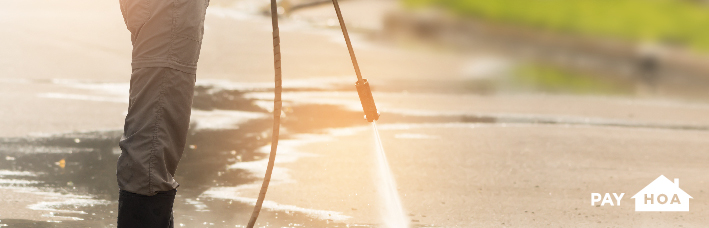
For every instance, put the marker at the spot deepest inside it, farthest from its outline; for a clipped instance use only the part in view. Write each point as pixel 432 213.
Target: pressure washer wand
pixel 363 89
pixel 347 40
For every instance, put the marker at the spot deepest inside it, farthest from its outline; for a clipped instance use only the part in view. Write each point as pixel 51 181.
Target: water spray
pixel 392 213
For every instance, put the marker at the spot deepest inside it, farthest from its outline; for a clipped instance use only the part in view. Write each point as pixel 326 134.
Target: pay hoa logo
pixel 660 195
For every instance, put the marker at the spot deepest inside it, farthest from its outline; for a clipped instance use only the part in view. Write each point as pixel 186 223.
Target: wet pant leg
pixel 155 129
pixel 166 37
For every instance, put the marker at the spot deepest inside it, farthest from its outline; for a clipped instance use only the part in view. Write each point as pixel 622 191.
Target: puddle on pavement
pixel 84 164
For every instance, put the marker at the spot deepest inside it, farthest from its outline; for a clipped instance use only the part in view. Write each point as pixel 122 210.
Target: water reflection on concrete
pixel 81 166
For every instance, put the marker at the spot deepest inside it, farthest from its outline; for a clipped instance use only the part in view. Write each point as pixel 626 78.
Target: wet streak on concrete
pixel 576 121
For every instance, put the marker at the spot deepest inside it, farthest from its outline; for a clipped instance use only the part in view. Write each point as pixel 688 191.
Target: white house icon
pixel 662 195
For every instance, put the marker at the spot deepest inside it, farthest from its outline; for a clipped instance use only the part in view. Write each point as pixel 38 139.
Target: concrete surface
pixel 461 159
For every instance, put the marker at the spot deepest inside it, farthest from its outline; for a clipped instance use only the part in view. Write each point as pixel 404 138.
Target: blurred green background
pixel 675 22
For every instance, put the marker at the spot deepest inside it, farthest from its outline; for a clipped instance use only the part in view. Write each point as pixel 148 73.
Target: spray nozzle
pixel 365 96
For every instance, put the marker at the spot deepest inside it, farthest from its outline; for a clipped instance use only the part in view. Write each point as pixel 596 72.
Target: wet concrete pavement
pixel 453 169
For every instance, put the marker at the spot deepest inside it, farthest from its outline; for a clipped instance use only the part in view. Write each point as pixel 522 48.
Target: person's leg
pixel 155 129
pixel 166 37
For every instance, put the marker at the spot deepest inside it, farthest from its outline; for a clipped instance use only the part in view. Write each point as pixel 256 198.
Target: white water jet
pixel 392 211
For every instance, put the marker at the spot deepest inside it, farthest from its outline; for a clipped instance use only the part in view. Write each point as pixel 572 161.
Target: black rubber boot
pixel 141 211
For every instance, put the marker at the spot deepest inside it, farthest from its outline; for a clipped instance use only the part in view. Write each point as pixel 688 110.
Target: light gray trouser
pixel 166 37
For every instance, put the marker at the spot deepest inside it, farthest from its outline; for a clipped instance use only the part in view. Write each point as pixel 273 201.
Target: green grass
pixel 555 80
pixel 680 22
